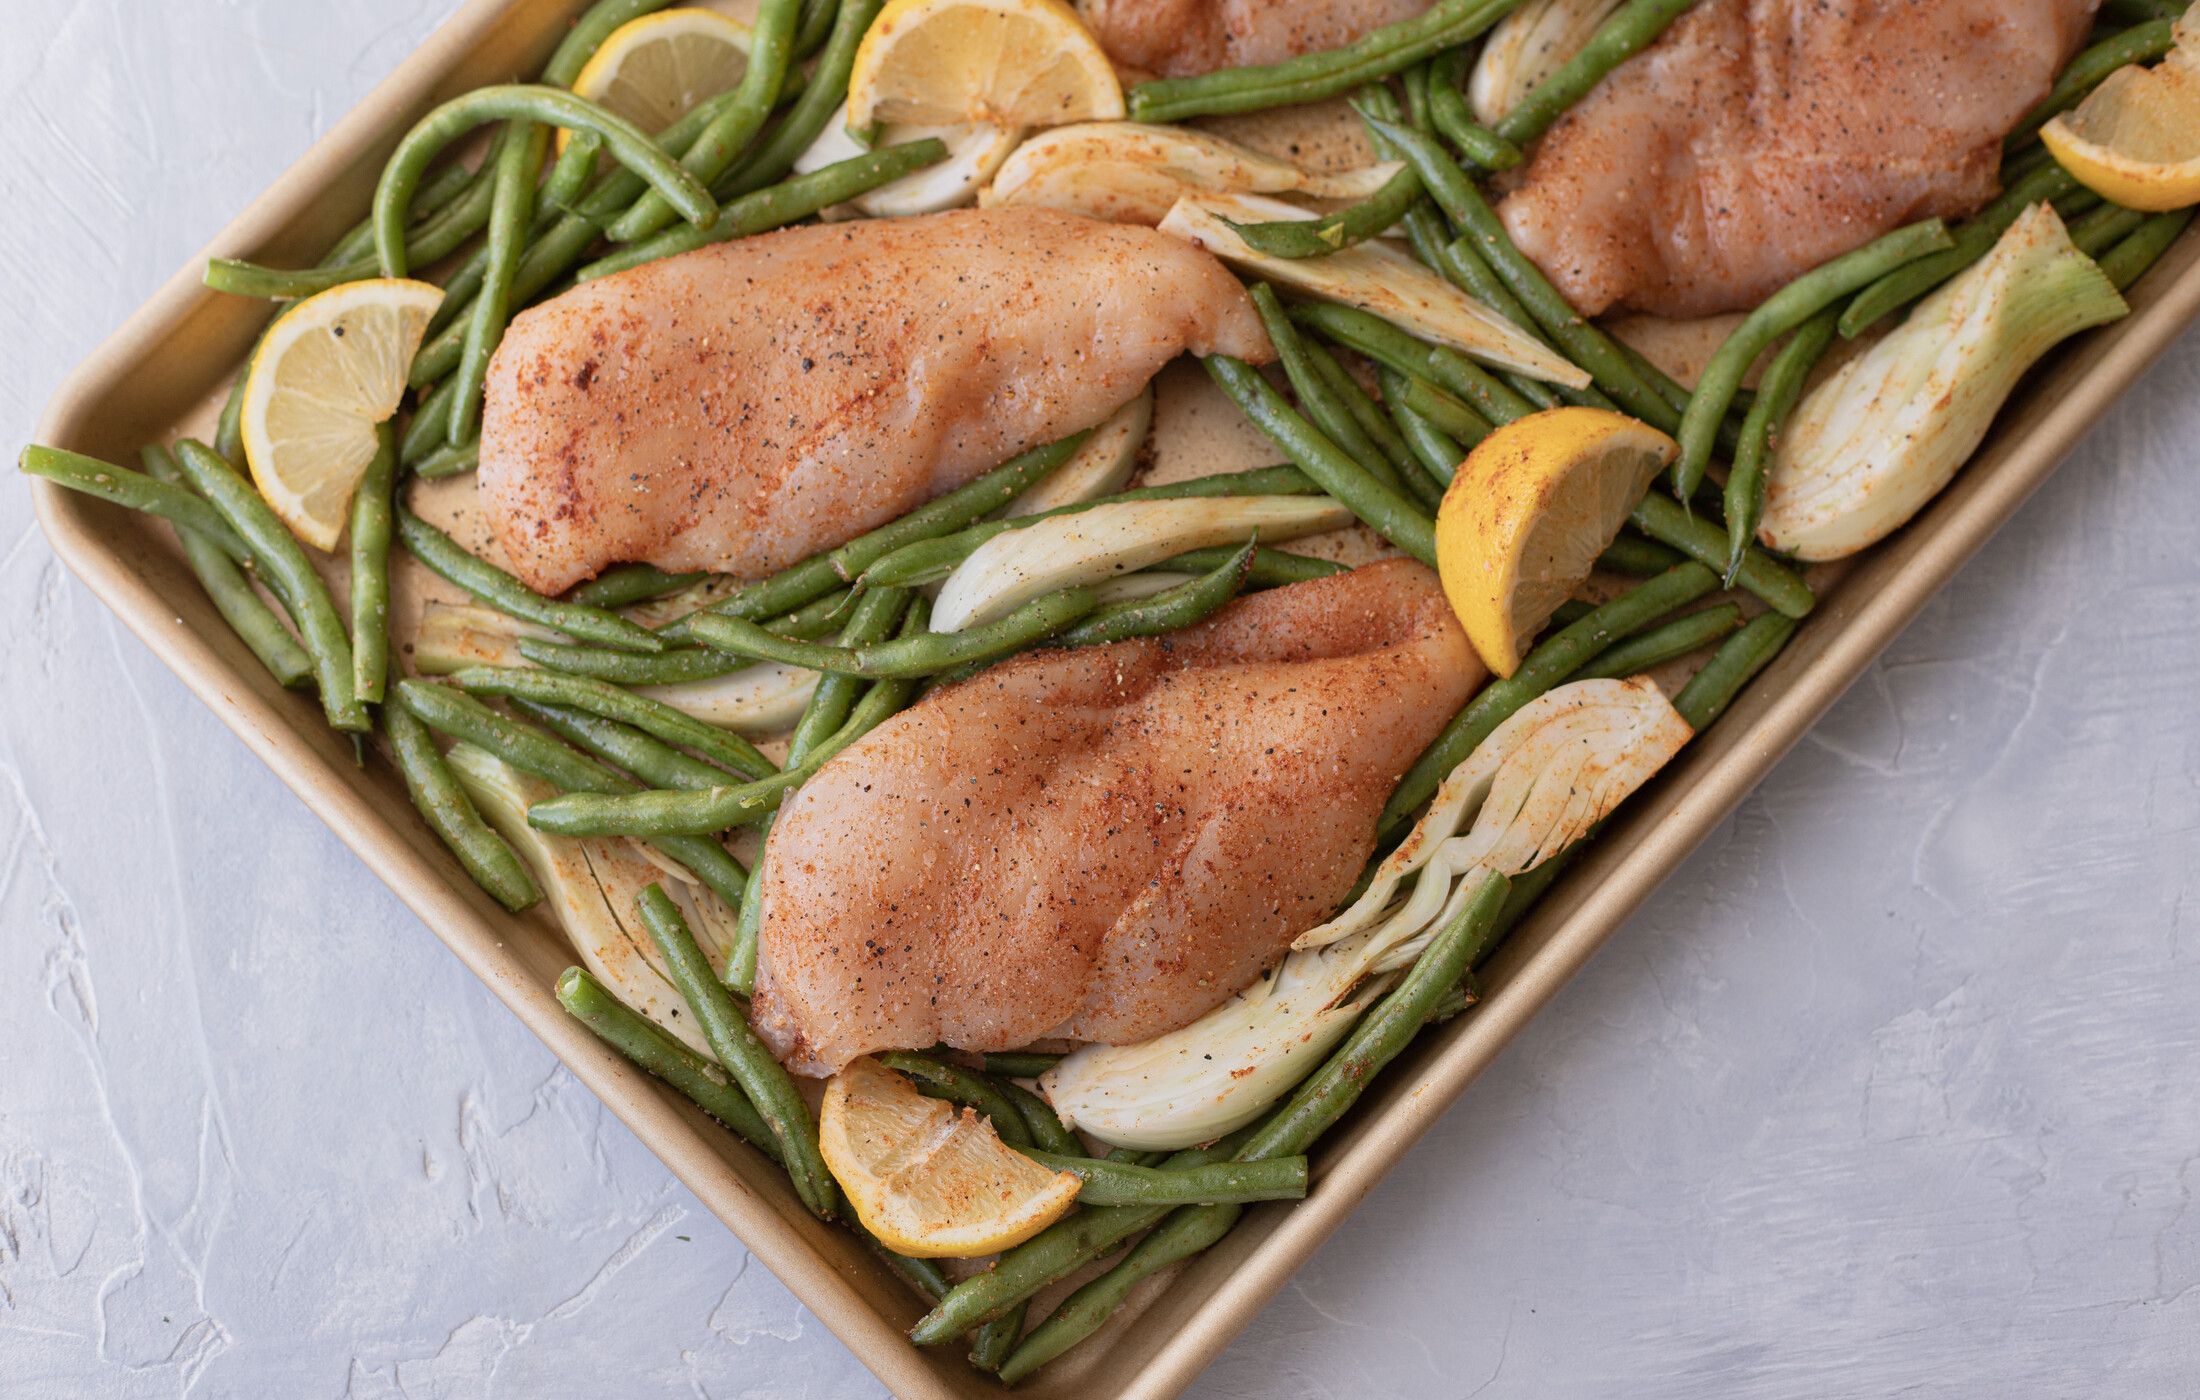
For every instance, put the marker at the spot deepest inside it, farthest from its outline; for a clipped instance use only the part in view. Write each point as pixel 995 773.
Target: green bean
pixel 771 43
pixel 1270 568
pixel 821 574
pixel 423 437
pixel 737 1047
pixel 2128 261
pixel 776 206
pixel 1437 451
pixel 1549 664
pixel 622 584
pixel 1785 310
pixel 283 564
pixel 435 791
pixel 651 760
pixel 1314 238
pixel 676 667
pixel 820 617
pixel 2139 11
pixel 1449 114
pixel 1973 240
pixel 1312 77
pixel 124 487
pixel 1376 424
pixel 1659 645
pixel 598 698
pixel 967 1088
pixel 508 595
pixel 1084 1311
pixel 1219 1183
pixel 449 461
pixel 1441 365
pixel 1170 611
pixel 1042 1123
pixel 548 106
pixel 2142 43
pixel 1020 1064
pixel 930 560
pixel 1777 394
pixel 2104 228
pixel 233 596
pixel 229 425
pixel 651 1050
pixel 560 195
pixel 1455 419
pixel 1056 1252
pixel 811 30
pixel 775 155
pixel 1316 400
pixel 1578 339
pixel 1747 652
pixel 1389 514
pixel 1565 615
pixel 511 218
pixel 1782 589
pixel 532 751
pixel 872 619
pixel 1631 29
pixel 371 505
pixel 1631 554
pixel 903 658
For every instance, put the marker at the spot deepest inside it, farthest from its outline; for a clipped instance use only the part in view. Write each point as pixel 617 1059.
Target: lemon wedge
pixel 930 1180
pixel 2135 140
pixel 1529 511
pixel 330 370
pixel 1006 63
pixel 654 70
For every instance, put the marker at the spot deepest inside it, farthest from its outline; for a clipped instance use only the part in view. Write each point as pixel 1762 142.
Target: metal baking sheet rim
pixel 1197 1312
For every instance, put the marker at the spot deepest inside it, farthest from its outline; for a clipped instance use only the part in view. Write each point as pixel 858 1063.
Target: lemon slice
pixel 928 1179
pixel 1008 63
pixel 2136 140
pixel 329 371
pixel 1528 513
pixel 655 69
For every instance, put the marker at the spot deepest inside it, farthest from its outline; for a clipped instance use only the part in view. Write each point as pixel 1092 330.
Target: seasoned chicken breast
pixel 1178 38
pixel 743 406
pixel 1105 843
pixel 1758 138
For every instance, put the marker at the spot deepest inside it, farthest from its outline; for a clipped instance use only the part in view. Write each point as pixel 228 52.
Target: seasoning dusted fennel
pixel 1129 172
pixel 1548 774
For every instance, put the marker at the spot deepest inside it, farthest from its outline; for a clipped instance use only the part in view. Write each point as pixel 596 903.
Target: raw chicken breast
pixel 1179 38
pixel 1105 843
pixel 746 405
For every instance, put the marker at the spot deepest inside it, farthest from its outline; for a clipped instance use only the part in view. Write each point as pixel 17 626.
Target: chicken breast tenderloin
pixel 746 405
pixel 1106 843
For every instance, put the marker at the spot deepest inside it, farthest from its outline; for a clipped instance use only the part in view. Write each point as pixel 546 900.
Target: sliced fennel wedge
pixel 974 152
pixel 1100 467
pixel 1375 278
pixel 592 885
pixel 1130 173
pixel 1528 46
pixel 1884 433
pixel 1547 775
pixel 1107 541
pixel 453 636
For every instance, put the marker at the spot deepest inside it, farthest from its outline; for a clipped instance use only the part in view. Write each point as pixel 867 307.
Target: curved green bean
pixel 2142 43
pixel 134 489
pixel 1775 584
pixel 1218 1183
pixel 1673 640
pixel 1389 514
pixel 1165 612
pixel 2128 261
pixel 507 594
pixel 1973 240
pixel 371 504
pixel 771 44
pixel 744 1056
pixel 1441 365
pixel 437 793
pixel 598 698
pixel 1549 664
pixel 449 461
pixel 1630 30
pixel 827 87
pixel 351 258
pixel 1041 1121
pixel 965 1088
pixel 1454 121
pixel 282 563
pixel 776 206
pixel 904 658
pixel 627 143
pixel 1314 238
pixel 623 584
pixel 1316 399
pixel 233 596
pixel 651 1050
pixel 1777 394
pixel 1781 313
pixel 1271 568
pixel 1747 652
pixel 1021 1064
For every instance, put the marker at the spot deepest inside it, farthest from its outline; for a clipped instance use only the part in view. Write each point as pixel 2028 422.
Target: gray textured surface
pixel 1891 1090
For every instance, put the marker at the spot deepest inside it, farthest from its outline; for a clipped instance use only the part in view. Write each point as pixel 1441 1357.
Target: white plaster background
pixel 1894 1089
